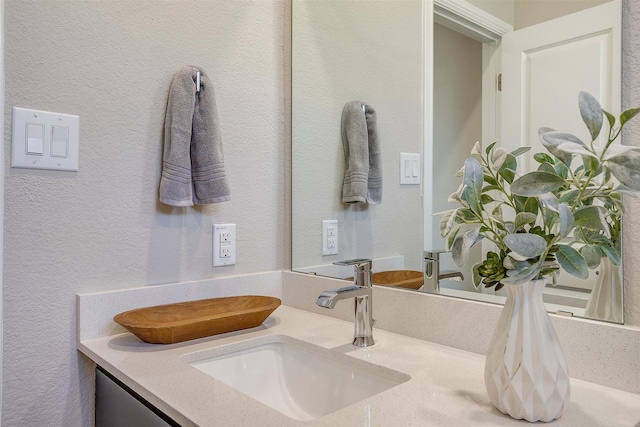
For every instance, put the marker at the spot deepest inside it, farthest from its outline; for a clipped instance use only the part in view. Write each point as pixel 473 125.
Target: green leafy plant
pixel 566 214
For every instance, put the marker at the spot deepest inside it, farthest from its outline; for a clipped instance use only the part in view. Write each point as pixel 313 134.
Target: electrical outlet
pixel 224 244
pixel 330 237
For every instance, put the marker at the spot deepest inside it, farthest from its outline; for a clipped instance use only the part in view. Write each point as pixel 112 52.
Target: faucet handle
pixel 358 262
pixel 434 255
pixel 362 270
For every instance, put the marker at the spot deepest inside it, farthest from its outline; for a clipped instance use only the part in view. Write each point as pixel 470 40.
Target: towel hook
pixel 363 108
pixel 197 81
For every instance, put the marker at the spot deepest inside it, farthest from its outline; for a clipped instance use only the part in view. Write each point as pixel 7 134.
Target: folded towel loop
pixel 363 165
pixel 193 171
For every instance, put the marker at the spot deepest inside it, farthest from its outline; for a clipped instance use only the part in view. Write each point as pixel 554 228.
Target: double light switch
pixel 44 140
pixel 409 168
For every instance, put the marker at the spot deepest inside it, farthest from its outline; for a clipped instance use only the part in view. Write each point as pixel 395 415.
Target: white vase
pixel 605 301
pixel 525 372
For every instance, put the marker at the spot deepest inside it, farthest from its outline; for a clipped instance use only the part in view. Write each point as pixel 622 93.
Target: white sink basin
pixel 301 380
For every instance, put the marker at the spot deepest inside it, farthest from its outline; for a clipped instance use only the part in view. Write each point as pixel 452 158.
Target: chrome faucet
pixel 361 291
pixel 432 274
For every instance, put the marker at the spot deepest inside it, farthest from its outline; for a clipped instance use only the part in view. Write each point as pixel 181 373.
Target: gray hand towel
pixel 361 143
pixel 193 163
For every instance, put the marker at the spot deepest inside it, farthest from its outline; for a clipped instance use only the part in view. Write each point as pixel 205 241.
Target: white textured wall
pixel 355 50
pixel 531 12
pixel 1 189
pixel 523 13
pixel 101 228
pixel 631 99
pixel 501 9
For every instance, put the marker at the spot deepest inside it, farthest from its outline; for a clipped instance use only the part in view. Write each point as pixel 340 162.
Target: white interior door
pixel 545 66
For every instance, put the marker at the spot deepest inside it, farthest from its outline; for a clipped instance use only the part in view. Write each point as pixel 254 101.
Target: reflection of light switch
pixel 35 138
pixel 59 141
pixel 409 168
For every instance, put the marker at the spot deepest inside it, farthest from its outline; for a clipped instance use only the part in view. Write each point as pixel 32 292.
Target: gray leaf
pixel 525 244
pixel 626 168
pixel 549 201
pixel 473 177
pixel 572 262
pixel 477 278
pixel 519 151
pixel 592 217
pixel 510 263
pixel 591 113
pixel 523 276
pixel 462 245
pixel 572 148
pixel 499 156
pixel 546 167
pixel 592 255
pixel 552 140
pixel 543 130
pixel 524 218
pixel 447 222
pixel 566 220
pixel 536 183
pixel 612 254
pixel 628 115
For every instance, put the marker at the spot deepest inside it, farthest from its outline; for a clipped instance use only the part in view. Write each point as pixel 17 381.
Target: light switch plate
pixel 410 168
pixel 53 153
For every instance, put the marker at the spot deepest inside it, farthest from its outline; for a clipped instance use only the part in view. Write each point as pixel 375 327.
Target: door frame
pixel 1 196
pixel 476 24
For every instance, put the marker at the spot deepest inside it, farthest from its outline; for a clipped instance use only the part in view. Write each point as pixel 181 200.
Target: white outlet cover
pixel 55 155
pixel 330 237
pixel 224 237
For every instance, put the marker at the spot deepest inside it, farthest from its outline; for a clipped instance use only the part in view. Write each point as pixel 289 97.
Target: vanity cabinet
pixel 119 406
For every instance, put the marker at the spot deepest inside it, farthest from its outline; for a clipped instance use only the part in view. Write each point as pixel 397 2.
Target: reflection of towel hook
pixel 198 82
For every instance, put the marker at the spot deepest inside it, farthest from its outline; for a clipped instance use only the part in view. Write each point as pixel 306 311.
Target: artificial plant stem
pixel 600 159
pixel 498 179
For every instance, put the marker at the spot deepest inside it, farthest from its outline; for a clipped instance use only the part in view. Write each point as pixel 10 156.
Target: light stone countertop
pixel 446 386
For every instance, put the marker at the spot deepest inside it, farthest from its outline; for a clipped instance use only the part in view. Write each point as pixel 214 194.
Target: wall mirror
pixel 440 75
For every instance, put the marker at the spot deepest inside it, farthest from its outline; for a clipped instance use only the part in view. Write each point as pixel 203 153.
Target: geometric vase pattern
pixel 526 373
pixel 605 301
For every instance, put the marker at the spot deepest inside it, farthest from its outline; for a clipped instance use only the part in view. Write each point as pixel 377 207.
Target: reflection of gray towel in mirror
pixel 193 165
pixel 361 144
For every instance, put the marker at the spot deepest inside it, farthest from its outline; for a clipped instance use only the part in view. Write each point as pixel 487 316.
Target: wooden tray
pixel 402 278
pixel 173 323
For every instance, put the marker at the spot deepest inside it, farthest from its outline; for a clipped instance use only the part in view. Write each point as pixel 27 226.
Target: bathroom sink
pixel 301 380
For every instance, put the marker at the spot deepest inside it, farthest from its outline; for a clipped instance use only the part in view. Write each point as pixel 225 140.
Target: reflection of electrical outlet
pixel 224 244
pixel 225 252
pixel 330 237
